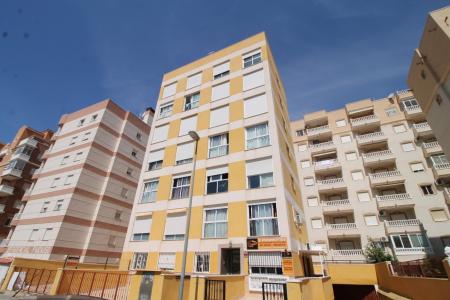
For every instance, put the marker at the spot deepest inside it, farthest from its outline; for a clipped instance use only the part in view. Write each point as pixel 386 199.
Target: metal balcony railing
pixel 346 252
pixel 442 166
pixel 401 223
pixel 336 202
pixel 377 154
pixel 342 226
pixel 403 196
pixel 330 181
pixel 386 174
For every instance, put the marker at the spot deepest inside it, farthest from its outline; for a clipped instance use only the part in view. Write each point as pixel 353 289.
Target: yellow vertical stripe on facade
pixel 165 184
pixel 178 106
pixel 213 262
pixel 199 184
pixel 158 223
pixel 203 120
pixel 207 75
pixel 237 217
pixel 169 155
pixel 236 85
pixel 236 171
pixel 205 96
pixel 152 261
pixel 237 140
pixel 125 259
pixel 174 129
pixel 235 64
pixel 181 85
pixel 195 230
pixel 202 148
pixel 236 110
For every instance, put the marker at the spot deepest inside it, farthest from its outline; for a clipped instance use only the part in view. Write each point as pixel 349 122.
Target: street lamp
pixel 195 137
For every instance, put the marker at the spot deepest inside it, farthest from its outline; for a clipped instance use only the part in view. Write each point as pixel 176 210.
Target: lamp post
pixel 195 137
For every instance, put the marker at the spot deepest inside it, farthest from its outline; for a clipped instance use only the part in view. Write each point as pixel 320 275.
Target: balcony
pixel 6 190
pixel 395 200
pixel 314 131
pixel 331 184
pixel 342 229
pixel 347 254
pixel 413 251
pixel 12 173
pixel 431 148
pixel 400 226
pixel 21 156
pixel 29 142
pixel 422 130
pixel 4 243
pixel 378 156
pixel 413 111
pixel 441 170
pixel 322 147
pixel 447 194
pixel 336 205
pixel 368 120
pixel 329 164
pixel 369 138
pixel 388 177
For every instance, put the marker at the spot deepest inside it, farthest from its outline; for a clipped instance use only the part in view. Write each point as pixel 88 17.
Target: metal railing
pixel 384 174
pixel 442 166
pixel 377 154
pixel 335 202
pixel 346 252
pixel 422 126
pixel 215 289
pixel 370 135
pixel 412 250
pixel 330 181
pixel 429 145
pixel 403 196
pixel 317 130
pixel 362 120
pixel 400 223
pixel 38 281
pixel 412 108
pixel 342 226
pixel 274 291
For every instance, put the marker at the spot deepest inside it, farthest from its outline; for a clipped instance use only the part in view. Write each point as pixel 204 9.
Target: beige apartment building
pixel 247 217
pixel 429 74
pixel 80 202
pixel 373 170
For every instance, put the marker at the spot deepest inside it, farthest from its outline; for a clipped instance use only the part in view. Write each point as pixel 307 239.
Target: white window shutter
pixel 255 106
pixel 194 80
pixel 169 90
pixel 219 116
pixel 185 151
pixel 220 91
pixel 142 225
pixel 156 155
pixel 175 224
pixel 253 80
pixel 260 166
pixel 160 133
pixel 187 125
pixel 217 171
pixel 221 68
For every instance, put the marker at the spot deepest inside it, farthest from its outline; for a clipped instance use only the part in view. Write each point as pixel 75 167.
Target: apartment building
pixel 373 170
pixel 247 216
pixel 81 200
pixel 18 161
pixel 429 74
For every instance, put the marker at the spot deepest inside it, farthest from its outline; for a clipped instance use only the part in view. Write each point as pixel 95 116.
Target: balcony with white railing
pixel 6 190
pixel 431 148
pixel 387 177
pixel 340 229
pixel 328 164
pixel 372 137
pixel 406 225
pixel 447 194
pixel 422 130
pixel 322 147
pixel 336 205
pixel 21 156
pixel 12 173
pixel 318 130
pixel 331 184
pixel 365 121
pixel 346 254
pixel 441 170
pixel 29 141
pixel 394 200
pixel 413 251
pixel 378 156
pixel 412 111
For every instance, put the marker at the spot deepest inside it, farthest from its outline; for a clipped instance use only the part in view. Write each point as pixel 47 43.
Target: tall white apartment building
pixel 373 170
pixel 81 200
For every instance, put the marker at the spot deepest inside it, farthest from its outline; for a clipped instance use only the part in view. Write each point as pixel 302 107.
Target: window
pixel 300 132
pixel 69 179
pixel 139 260
pixel 350 156
pixel 166 110
pixel 64 160
pixel 408 103
pixel 409 240
pixel 201 262
pixel 58 205
pixel 263 219
pixel 417 167
pixel 371 220
pixel 34 235
pixel 259 173
pixel 220 91
pixel 86 136
pixel 312 201
pixel 265 262
pixel 134 153
pixel 345 139
pixel 427 189
pixel 194 80
pixel 357 175
pixel 191 101
pixel 94 118
pixel 160 133
pixel 185 153
pixel 407 147
pixel 141 228
pixel 175 226
pixel 399 128
pixel 219 116
pixel 391 111
pixel 316 223
pixel 438 215
pixel 155 160
pixel 255 106
pixel 253 80
pixel 47 234
pixel 252 60
pixel 363 196
pixel 218 145
pixel 124 193
pixel 118 215
pixel 215 223
pixel 305 164
pixel 55 182
pixel 217 180
pixel 138 136
pixel 149 192
pixel 221 70
pixel 2 207
pixel 188 124
pixel 73 140
pixel 180 187
pixel 169 90
pixel 439 159
pixel 309 181
pixel 257 136
pixel 302 147
pixel 78 156
pixel 129 171
pixel 341 123
pixel 166 260
pixel 45 206
pixel 8 221
pixel 112 241
pixel 81 122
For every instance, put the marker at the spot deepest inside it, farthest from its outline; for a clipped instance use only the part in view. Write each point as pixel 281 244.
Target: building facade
pixel 18 161
pixel 373 170
pixel 429 74
pixel 81 200
pixel 247 214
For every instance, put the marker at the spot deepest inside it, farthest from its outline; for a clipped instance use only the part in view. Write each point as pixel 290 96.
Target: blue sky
pixel 59 56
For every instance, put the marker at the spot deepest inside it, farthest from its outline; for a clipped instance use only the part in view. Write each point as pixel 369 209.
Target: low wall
pixel 358 274
pixel 319 288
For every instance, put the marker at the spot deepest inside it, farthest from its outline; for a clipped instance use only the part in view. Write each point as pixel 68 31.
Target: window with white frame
pixel 45 206
pixel 201 262
pixel 341 123
pixel 265 262
pixel 81 122
pixel 64 160
pixel 257 136
pixel 253 80
pixel 345 139
pixel 259 173
pixel 112 241
pixel 410 240
pixel 194 80
pixel 166 260
pixel 160 133
pixel 188 124
pixel 407 147
pixel 94 117
pixel 252 59
pixel 217 180
pixel 34 235
pixel 263 220
pixel 191 101
pixel 175 226
pixel 129 171
pixel 308 181
pixel 305 164
pixel 357 175
pixel 417 167
pixel 134 153
pixel 371 220
pixel 221 70
pixel 86 136
pixel 399 128
pixel 438 215
pixel 118 215
pixel 363 196
pixel 220 91
pixel 302 147
pixel 155 160
pixel 316 223
pixel 300 132
pixel 59 205
pixel 180 187
pixel 124 193
pixel 139 261
pixel 169 90
pixel 439 159
pixel 350 156
pixel 219 116
pixel 73 140
pixel 218 145
pixel 215 222
pixel 185 153
pixel 408 103
pixel 312 201
pixel 149 191
pixel 78 156
pixel 56 181
pixel 139 136
pixel 47 234
pixel 391 111
pixel 141 228
pixel 255 105
pixel 165 110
